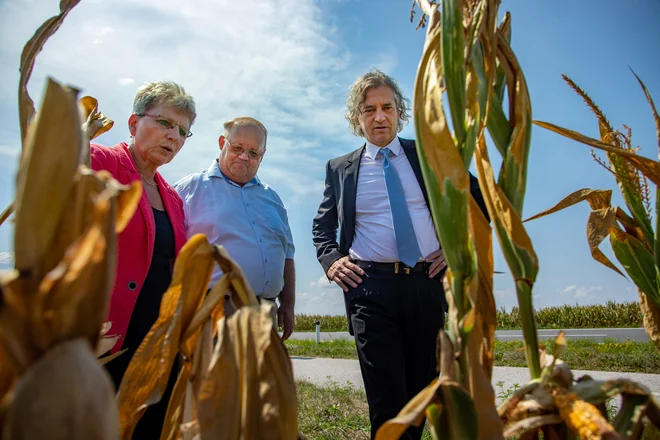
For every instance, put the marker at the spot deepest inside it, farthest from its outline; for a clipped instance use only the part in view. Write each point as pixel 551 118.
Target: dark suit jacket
pixel 337 208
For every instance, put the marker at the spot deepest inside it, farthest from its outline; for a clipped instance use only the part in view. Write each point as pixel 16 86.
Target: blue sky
pixel 290 63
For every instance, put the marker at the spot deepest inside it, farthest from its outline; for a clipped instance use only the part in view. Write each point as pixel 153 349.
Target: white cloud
pixel 322 282
pixel 281 62
pixel 320 297
pixel 6 258
pixel 6 150
pixel 584 293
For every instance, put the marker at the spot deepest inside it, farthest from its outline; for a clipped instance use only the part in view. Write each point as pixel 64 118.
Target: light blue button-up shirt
pixel 249 221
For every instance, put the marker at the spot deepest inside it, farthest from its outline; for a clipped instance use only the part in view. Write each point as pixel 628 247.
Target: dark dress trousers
pixel 395 318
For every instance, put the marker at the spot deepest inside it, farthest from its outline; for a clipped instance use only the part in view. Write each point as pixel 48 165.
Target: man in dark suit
pixel 388 260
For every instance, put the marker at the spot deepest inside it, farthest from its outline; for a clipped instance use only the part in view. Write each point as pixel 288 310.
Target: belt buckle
pixel 405 269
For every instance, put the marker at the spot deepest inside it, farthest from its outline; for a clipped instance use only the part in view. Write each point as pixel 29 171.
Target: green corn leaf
pixel 504 29
pixel 435 424
pixel 638 262
pixel 458 413
pixel 445 175
pixel 629 183
pixel 513 178
pixel 498 126
pixel 453 64
pixel 630 420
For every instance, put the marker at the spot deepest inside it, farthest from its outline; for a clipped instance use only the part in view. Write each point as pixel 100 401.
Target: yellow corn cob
pixel 582 417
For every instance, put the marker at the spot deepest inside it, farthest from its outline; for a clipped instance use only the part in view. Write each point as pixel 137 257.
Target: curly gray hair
pixel 358 92
pixel 164 92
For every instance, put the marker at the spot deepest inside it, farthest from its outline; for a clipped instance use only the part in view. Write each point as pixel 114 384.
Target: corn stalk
pixel 468 59
pixel 632 235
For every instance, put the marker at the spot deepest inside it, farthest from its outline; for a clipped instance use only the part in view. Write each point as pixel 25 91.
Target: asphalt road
pixel 621 334
pixel 324 372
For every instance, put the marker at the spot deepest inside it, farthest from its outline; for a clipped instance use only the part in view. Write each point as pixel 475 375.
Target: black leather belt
pixel 396 268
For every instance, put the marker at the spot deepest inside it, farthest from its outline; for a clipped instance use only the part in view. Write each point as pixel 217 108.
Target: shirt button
pixel 265 260
pixel 260 240
pixel 132 285
pixel 253 222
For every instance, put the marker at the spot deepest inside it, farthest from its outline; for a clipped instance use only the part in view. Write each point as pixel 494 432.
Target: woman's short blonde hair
pixel 168 93
pixel 358 93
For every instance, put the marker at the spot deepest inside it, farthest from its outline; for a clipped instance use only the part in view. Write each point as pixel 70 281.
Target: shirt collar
pixel 394 146
pixel 215 171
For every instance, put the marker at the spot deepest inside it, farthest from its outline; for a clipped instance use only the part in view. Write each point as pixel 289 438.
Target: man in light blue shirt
pixel 230 205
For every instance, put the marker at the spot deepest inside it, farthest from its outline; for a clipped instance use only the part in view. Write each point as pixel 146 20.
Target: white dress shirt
pixel 374 229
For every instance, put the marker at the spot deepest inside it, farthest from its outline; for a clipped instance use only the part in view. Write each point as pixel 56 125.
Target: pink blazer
pixel 136 242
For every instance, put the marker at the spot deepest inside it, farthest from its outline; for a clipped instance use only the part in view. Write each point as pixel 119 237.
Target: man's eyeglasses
pixel 238 150
pixel 167 124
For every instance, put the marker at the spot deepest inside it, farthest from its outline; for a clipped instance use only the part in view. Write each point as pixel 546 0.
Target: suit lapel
pixel 411 153
pixel 349 193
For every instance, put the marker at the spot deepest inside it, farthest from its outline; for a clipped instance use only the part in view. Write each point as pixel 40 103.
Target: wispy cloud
pixel 581 293
pixel 11 151
pixel 281 62
pixel 6 258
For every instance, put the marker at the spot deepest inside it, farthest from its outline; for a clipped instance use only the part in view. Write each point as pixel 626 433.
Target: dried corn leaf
pixel 600 224
pixel 651 314
pixel 96 123
pixel 597 199
pixel 481 338
pixel 241 292
pixel 30 52
pixel 63 395
pixel 147 374
pixel 60 310
pixel 648 167
pixel 9 210
pixel 484 302
pixel 249 391
pixel 175 409
pixel 50 154
pixel 412 414
pixel 531 424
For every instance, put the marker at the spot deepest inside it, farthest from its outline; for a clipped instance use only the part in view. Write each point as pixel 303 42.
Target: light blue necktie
pixel 406 241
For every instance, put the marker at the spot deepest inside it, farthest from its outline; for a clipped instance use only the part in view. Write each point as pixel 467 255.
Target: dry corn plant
pixel 468 59
pixel 633 236
pixel 54 301
pixel 236 380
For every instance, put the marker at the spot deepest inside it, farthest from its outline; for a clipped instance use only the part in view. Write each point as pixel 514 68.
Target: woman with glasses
pixel 159 126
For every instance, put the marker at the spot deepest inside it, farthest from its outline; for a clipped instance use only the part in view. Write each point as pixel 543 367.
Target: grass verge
pixel 610 355
pixel 334 412
pixel 340 412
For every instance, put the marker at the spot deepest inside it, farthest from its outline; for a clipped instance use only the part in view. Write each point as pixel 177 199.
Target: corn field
pixel 611 314
pixel 236 380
